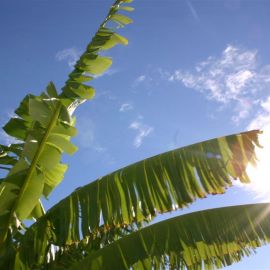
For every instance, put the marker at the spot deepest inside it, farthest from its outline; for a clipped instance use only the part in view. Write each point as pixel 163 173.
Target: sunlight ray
pixel 259 175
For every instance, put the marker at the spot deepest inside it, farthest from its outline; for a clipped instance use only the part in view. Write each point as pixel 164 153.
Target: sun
pixel 260 175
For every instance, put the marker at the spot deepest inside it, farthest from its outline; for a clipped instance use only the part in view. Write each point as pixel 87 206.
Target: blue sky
pixel 193 70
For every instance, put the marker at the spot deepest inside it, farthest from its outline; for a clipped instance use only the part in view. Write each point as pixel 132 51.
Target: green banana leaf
pixel 207 239
pixel 140 191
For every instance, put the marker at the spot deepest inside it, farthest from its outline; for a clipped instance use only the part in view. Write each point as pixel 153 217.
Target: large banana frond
pixel 207 239
pixel 44 126
pixel 140 191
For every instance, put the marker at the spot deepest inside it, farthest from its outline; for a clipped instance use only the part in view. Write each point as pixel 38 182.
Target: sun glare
pixel 260 175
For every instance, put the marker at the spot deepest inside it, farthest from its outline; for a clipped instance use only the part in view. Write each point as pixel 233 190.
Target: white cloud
pixel 86 136
pixel 140 78
pixel 266 105
pixel 70 55
pixel 262 119
pixel 237 81
pixel 106 94
pixel 162 74
pixel 143 131
pixel 235 77
pixel 193 10
pixel 242 109
pixel 151 79
pixel 126 107
pixel 224 78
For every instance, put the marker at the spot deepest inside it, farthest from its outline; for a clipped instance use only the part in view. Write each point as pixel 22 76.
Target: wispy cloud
pixel 262 118
pixel 139 80
pixel 126 107
pixel 143 131
pixel 224 78
pixel 193 10
pixel 151 79
pixel 233 77
pixel 106 94
pixel 70 55
pixel 87 136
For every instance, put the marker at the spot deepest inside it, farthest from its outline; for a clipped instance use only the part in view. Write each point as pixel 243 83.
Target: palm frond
pixel 140 191
pixel 207 239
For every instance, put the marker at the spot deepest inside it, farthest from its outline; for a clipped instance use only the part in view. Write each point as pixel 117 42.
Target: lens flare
pixel 260 175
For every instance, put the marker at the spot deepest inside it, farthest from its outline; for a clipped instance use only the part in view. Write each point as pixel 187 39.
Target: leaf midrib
pixel 34 163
